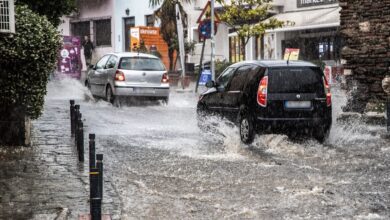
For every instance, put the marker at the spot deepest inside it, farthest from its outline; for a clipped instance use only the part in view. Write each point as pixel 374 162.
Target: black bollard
pixel 92 163
pixel 388 115
pixel 95 201
pixel 76 118
pixel 79 119
pixel 99 166
pixel 71 116
pixel 80 142
pixel 96 209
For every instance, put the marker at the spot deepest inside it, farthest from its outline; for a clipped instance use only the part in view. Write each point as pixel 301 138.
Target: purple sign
pixel 69 59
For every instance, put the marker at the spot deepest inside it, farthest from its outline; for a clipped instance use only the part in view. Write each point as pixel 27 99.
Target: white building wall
pixel 194 9
pixel 64 27
pixel 138 9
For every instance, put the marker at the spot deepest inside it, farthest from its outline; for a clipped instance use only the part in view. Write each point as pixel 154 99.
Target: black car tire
pixel 321 134
pixel 247 129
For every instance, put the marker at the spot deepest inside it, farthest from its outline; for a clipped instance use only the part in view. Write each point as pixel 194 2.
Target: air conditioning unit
pixel 7 16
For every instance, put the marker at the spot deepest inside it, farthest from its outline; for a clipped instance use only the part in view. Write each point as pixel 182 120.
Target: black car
pixel 270 96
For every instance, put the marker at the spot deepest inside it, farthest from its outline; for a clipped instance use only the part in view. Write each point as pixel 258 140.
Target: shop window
pixel 103 32
pixel 81 29
pixel 149 20
pixel 236 49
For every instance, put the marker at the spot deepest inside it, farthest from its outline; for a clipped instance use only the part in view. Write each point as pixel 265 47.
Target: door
pixel 231 97
pixel 109 74
pixel 95 78
pixel 128 23
pixel 214 100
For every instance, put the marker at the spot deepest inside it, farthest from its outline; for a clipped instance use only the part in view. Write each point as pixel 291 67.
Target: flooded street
pixel 159 165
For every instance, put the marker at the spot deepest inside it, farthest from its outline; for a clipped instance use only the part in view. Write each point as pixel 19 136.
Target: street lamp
pixel 212 41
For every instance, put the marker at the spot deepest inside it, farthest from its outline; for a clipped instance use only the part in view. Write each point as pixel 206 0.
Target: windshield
pixel 141 63
pixel 296 80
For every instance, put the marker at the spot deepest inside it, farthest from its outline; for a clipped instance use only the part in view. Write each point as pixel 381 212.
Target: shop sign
pixel 69 59
pixel 308 3
pixel 291 54
pixel 134 37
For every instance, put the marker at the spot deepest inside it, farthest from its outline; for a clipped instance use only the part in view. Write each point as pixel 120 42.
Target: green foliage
pixel 26 59
pixel 52 9
pixel 248 17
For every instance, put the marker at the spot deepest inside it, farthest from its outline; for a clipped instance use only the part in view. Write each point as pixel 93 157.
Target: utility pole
pixel 212 41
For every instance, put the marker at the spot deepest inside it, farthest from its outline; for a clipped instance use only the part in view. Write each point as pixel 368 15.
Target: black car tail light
pixel 262 92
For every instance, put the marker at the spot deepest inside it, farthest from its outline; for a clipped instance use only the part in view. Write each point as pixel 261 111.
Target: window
pixel 224 79
pixel 239 78
pixel 81 29
pixel 111 62
pixel 149 20
pixel 141 63
pixel 236 49
pixel 7 16
pixel 296 80
pixel 101 64
pixel 103 32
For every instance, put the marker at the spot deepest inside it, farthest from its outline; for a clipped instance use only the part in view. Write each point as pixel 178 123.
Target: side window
pixel 239 78
pixel 111 62
pixel 255 72
pixel 101 64
pixel 224 79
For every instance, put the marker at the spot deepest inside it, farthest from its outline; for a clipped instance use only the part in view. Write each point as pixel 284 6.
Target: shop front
pixel 314 31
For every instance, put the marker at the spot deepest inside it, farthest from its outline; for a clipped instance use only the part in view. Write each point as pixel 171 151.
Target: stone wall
pixel 365 27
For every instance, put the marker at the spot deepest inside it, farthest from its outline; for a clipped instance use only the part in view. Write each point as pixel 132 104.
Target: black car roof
pixel 276 63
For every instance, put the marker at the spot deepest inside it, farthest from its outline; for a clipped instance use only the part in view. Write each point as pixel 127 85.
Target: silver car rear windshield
pixel 141 63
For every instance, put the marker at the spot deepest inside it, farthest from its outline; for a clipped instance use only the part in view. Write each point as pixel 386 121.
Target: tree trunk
pixel 171 53
pixel 15 127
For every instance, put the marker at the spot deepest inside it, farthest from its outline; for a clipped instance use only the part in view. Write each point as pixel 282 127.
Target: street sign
pixel 205 77
pixel 204 29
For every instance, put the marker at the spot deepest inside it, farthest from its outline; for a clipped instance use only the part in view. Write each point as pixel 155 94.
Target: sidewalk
pixel 46 181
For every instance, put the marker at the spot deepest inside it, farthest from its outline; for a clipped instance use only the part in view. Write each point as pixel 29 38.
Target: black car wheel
pixel 321 134
pixel 247 131
pixel 165 101
pixel 111 98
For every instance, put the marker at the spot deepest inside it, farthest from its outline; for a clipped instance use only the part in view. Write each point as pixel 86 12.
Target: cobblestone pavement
pixel 46 181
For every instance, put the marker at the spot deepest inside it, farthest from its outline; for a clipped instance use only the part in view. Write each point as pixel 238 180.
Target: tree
pixel 26 60
pixel 167 15
pixel 247 17
pixel 52 9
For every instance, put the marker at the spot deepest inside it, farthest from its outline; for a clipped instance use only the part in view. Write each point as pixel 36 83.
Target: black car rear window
pixel 295 80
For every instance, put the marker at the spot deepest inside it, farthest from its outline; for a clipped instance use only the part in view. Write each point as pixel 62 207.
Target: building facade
pixel 315 29
pixel 107 23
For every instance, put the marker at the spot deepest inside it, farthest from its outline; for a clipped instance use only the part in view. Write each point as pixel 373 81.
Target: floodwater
pixel 161 166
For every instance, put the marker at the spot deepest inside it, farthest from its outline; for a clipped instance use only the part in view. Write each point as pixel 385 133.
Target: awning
pixel 309 19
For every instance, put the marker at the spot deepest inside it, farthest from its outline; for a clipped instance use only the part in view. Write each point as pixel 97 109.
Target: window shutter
pixel 7 16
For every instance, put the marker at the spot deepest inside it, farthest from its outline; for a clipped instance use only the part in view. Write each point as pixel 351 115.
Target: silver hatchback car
pixel 120 75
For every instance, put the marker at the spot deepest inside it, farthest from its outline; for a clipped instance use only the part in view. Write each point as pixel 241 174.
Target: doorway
pixel 128 23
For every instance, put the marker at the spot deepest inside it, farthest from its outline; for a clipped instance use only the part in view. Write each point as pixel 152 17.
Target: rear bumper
pixel 292 123
pixel 162 92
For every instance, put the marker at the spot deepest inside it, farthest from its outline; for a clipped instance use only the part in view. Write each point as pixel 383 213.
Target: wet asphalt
pixel 159 165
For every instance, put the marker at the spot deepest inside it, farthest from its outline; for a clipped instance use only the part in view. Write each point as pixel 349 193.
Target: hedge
pixel 26 60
